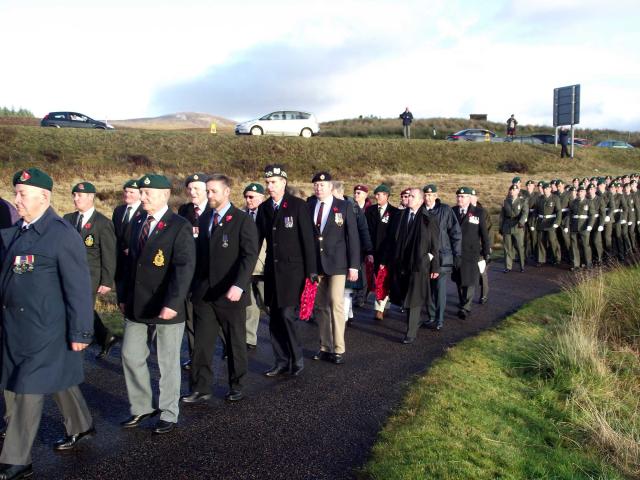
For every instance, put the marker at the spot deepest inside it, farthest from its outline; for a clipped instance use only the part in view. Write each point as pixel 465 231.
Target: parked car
pixel 474 135
pixel 545 137
pixel 281 123
pixel 614 144
pixel 72 120
pixel 524 139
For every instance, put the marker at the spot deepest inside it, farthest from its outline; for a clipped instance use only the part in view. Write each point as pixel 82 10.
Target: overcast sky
pixel 339 59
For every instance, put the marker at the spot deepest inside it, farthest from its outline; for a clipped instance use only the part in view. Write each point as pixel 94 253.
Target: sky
pixel 121 59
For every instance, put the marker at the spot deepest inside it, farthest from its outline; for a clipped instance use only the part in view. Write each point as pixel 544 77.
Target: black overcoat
pixel 475 245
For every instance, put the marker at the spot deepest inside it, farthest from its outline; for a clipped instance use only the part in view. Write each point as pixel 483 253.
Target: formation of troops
pixel 209 270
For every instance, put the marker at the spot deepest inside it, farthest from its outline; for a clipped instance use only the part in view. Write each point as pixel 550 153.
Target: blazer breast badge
pixel 158 260
pixel 89 241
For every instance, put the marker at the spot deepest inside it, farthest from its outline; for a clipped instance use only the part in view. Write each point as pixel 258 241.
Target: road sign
pixel 566 105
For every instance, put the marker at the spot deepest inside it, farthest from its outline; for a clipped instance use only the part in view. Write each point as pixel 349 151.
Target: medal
pixel 23 264
pixel 89 240
pixel 288 222
pixel 225 240
pixel 338 218
pixel 158 260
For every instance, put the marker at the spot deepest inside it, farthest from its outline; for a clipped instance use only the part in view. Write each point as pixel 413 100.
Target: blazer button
pixel 21 309
pixel 275 260
pixel 274 229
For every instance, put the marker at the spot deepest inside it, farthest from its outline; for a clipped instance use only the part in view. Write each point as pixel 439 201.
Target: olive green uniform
pixel 598 228
pixel 513 219
pixel 548 218
pixel 582 220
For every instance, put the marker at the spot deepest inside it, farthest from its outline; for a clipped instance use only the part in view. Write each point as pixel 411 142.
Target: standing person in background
pixel 563 138
pixel 197 191
pixel 253 197
pixel 360 196
pixel 407 118
pixel 511 126
pixel 513 220
pixel 99 239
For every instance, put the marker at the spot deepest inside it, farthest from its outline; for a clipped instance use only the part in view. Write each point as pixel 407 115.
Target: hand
pixel 122 307
pixel 623 222
pixel 487 259
pixel 167 314
pixel 566 230
pixel 78 347
pixel 601 228
pixel 103 289
pixel 352 276
pixel 589 228
pixel 314 278
pixel 234 294
pixel 533 229
pixel 456 262
pixel 607 218
pixel 434 275
pixel 555 226
pixel 126 252
pixel 369 258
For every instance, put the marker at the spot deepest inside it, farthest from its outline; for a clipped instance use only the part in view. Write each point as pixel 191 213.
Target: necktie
pixel 319 217
pixel 144 233
pixel 411 217
pixel 198 211
pixel 79 223
pixel 253 215
pixel 380 211
pixel 125 219
pixel 275 207
pixel 216 219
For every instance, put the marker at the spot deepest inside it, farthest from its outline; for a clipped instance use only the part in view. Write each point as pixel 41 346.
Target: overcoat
pixel 475 245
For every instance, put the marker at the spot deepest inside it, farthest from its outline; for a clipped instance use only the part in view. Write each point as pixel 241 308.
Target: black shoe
pixel 162 426
pixel 483 300
pixel 322 355
pixel 462 314
pixel 431 324
pixel 69 442
pixel 296 371
pixel 251 346
pixel 233 396
pixel 186 365
pixel 439 326
pixel 338 358
pixel 506 270
pixel 521 269
pixel 196 397
pixel 106 348
pixel 275 371
pixel 135 420
pixel 408 340
pixel 15 472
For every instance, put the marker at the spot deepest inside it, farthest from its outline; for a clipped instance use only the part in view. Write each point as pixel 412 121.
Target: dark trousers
pixel 23 414
pixel 438 303
pixel 208 320
pixel 285 340
pixel 188 326
pixel 465 295
pixel 413 321
pixel 484 283
pixel 564 151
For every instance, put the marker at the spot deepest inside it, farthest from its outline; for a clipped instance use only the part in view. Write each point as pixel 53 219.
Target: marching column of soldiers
pixel 208 272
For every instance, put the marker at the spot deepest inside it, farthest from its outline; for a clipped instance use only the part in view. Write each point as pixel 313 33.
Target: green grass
pixel 511 404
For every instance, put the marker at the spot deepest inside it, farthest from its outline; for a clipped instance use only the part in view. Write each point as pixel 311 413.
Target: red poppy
pixel 228 218
pixel 160 225
pixel 284 204
pixel 335 209
pixel 87 225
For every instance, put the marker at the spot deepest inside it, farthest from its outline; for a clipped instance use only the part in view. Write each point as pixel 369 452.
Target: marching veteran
pixel 47 320
pixel 513 219
pixel 158 275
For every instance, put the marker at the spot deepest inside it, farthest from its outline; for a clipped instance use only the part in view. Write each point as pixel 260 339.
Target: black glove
pixel 457 261
pixel 313 278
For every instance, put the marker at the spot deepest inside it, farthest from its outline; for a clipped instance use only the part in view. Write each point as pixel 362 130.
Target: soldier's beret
pixel 530 182
pixel 627 184
pixel 602 181
pixel 406 191
pixel 513 186
pixel 572 189
pixel 321 177
pixel 546 185
pixel 465 191
pixel 515 179
pixel 275 170
pixel 558 182
pixel 153 180
pixel 591 185
pixel 254 187
pixel 84 187
pixel 634 181
pixel 34 177
pixel 431 188
pixel 383 188
pixel 362 188
pixel 133 183
pixel 196 177
pixel 575 180
pixel 540 183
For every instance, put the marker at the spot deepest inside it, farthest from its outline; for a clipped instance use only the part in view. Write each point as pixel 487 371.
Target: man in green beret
pixel 598 226
pixel 583 218
pixel 618 221
pixel 548 219
pixel 530 239
pixel 630 232
pixel 99 239
pixel 564 237
pixel 513 220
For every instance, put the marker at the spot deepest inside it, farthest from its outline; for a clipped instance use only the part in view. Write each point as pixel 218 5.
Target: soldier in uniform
pixel 618 221
pixel 597 250
pixel 475 248
pixel 564 236
pixel 605 202
pixel 549 217
pixel 513 219
pixel 636 202
pixel 45 289
pixel 630 237
pixel 99 239
pixel 284 222
pixel 158 276
pixel 583 218
pixel 530 238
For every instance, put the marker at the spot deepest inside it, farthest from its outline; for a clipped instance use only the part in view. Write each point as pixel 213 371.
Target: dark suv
pixel 73 120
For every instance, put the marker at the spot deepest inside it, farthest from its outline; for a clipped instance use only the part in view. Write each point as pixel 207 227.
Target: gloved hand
pixel 607 218
pixel 487 259
pixel 555 226
pixel 314 278
pixel 589 228
pixel 601 228
pixel 520 226
pixel 533 229
pixel 623 222
pixel 566 230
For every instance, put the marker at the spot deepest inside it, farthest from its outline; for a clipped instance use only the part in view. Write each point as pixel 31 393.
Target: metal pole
pixel 556 136
pixel 572 137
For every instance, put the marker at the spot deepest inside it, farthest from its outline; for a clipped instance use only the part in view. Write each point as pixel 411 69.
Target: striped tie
pixel 144 233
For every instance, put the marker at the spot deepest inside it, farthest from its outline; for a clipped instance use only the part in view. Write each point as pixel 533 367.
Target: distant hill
pixel 176 121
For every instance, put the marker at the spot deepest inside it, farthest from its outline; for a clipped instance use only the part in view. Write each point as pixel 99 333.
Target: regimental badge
pixel 147 181
pixel 288 222
pixel 23 264
pixel 158 260
pixel 225 240
pixel 385 218
pixel 196 230
pixel 25 176
pixel 339 219
pixel 89 240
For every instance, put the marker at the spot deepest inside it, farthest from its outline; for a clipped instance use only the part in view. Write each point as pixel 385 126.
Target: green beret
pixel 572 189
pixel 34 177
pixel 591 185
pixel 254 187
pixel 546 185
pixel 196 177
pixel 431 188
pixel 558 182
pixel 530 182
pixel 382 188
pixel 513 186
pixel 133 183
pixel 602 181
pixel 515 180
pixel 465 191
pixel 152 180
pixel 84 187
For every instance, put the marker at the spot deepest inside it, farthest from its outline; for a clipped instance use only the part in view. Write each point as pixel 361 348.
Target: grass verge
pixel 551 393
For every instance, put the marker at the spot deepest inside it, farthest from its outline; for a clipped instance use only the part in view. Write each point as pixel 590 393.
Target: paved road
pixel 319 426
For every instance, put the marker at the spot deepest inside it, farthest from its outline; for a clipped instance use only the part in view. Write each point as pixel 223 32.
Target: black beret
pixel 321 177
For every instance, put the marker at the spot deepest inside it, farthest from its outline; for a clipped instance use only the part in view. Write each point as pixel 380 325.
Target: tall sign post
pixel 566 109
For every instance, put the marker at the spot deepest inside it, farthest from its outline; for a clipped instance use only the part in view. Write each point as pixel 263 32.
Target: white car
pixel 281 123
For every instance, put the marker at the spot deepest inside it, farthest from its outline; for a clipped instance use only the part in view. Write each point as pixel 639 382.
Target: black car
pixel 72 120
pixel 545 137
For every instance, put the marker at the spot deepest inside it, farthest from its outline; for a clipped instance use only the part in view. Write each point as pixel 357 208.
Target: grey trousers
pixel 135 352
pixel 253 310
pixel 406 131
pixel 438 302
pixel 23 414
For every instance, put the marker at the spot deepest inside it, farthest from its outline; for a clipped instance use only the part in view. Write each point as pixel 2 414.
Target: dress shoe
pixel 251 346
pixel 15 472
pixel 506 270
pixel 196 397
pixel 186 365
pixel 483 300
pixel 70 442
pixel 431 324
pixel 521 269
pixel 322 355
pixel 379 315
pixel 338 358
pixel 233 396
pixel 134 420
pixel 296 371
pixel 439 326
pixel 106 348
pixel 408 340
pixel 162 426
pixel 275 371
pixel 462 314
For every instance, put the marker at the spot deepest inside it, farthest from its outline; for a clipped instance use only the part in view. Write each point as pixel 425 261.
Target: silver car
pixel 286 122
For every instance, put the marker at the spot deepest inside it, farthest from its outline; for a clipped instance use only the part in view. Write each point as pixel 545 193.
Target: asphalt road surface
pixel 317 426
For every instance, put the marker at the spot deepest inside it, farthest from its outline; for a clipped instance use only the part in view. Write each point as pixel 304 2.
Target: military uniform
pixel 530 237
pixel 630 237
pixel 607 234
pixel 513 218
pixel 549 217
pixel 597 249
pixel 618 221
pixel 564 235
pixel 582 221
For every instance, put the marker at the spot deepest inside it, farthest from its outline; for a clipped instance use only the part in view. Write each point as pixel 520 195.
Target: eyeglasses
pixel 249 197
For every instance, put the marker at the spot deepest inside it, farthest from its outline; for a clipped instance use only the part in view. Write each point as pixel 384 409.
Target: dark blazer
pixel 45 309
pixel 338 245
pixel 475 244
pixel 160 275
pixel 291 255
pixel 188 211
pixel 378 229
pixel 225 259
pixel 123 232
pixel 100 243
